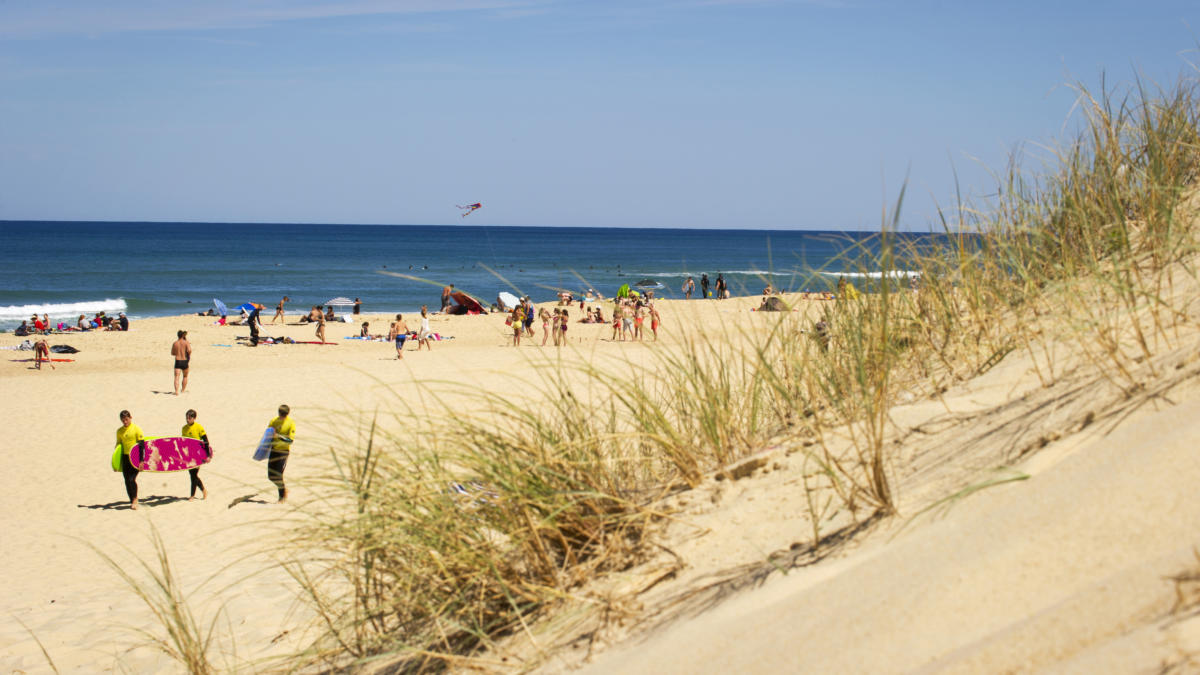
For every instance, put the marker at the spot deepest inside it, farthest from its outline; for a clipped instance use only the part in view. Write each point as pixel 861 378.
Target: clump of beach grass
pixel 184 639
pixel 471 526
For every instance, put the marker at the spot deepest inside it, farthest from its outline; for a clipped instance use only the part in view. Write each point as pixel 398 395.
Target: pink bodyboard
pixel 169 454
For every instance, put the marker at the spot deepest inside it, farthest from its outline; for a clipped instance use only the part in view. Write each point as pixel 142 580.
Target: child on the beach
pixel 193 429
pixel 517 320
pixel 544 316
pixel 398 333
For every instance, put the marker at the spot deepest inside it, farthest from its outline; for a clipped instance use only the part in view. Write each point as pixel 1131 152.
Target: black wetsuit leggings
pixel 276 463
pixel 130 474
pixel 196 484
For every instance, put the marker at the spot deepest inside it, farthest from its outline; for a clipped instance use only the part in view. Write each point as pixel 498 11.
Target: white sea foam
pixel 713 275
pixel 62 310
pixel 897 274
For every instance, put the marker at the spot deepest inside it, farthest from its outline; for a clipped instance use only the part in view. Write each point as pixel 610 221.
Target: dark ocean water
pixel 158 269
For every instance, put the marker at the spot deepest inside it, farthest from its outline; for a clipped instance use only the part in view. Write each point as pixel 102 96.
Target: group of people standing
pixel 130 434
pixel 721 288
pixel 630 314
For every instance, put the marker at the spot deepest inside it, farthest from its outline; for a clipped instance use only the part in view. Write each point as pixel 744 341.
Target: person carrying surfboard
pixel 285 432
pixel 193 429
pixel 129 435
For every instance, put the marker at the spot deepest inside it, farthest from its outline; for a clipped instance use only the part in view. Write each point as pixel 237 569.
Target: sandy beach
pixel 61 497
pixel 1065 559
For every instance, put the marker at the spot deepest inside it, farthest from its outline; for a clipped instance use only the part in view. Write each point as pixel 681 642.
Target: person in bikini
pixel 398 333
pixel 41 350
pixel 181 349
pixel 321 326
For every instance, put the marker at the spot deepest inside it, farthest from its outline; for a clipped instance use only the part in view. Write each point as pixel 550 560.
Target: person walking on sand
pixel 192 429
pixel 398 333
pixel 181 349
pixel 320 327
pixel 281 447
pixel 279 311
pixel 426 335
pixel 689 287
pixel 129 435
pixel 41 350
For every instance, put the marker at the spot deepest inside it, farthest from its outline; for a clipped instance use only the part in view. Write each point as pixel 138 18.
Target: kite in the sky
pixel 469 208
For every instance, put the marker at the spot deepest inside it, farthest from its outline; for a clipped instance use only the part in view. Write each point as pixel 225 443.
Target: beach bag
pixel 508 321
pixel 116 458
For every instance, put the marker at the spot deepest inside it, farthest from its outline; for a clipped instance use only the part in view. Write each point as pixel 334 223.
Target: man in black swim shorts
pixel 181 349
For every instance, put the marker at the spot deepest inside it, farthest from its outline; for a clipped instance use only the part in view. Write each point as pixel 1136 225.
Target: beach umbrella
pixel 220 307
pixel 339 301
pixel 508 300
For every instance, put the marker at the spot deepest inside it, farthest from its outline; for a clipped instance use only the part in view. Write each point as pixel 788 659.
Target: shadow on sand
pixel 123 505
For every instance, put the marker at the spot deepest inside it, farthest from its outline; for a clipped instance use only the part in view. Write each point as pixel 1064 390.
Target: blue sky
pixel 659 113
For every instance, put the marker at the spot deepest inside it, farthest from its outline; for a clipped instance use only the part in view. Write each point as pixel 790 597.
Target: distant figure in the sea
pixel 129 435
pixel 281 447
pixel 689 287
pixel 704 286
pixel 425 336
pixel 279 311
pixel 446 291
pixel 321 326
pixel 193 429
pixel 181 349
pixel 398 334
pixel 357 307
pixel 41 350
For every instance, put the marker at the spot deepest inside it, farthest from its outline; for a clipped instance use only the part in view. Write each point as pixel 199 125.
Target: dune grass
pixel 427 549
pixel 466 533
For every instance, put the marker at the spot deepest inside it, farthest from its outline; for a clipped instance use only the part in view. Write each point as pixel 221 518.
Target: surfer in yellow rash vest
pixel 193 429
pixel 285 433
pixel 129 435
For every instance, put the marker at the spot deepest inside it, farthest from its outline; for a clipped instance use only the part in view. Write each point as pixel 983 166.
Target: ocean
pixel 157 269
